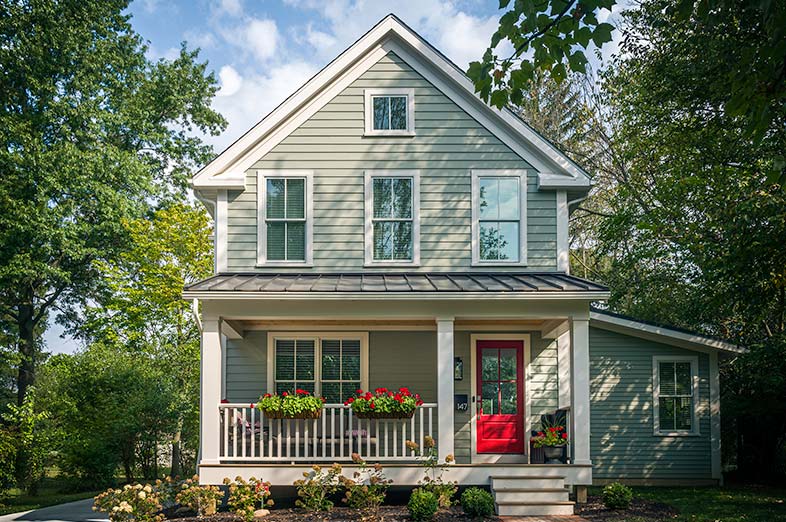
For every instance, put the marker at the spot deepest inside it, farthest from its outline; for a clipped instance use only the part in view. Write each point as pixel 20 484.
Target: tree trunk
pixel 28 350
pixel 176 470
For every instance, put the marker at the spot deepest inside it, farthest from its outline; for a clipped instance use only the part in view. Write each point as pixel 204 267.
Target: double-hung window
pixel 498 217
pixel 392 217
pixel 390 112
pixel 331 366
pixel 675 395
pixel 285 220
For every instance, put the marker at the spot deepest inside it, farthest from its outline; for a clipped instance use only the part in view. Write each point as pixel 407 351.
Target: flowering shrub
pixel 298 405
pixel 202 499
pixel 167 490
pixel 384 402
pixel 246 496
pixel 367 488
pixel 316 486
pixel 137 502
pixel 432 482
pixel 551 436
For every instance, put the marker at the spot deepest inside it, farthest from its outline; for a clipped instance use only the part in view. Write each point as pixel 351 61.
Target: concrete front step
pixel 527 482
pixel 510 495
pixel 534 509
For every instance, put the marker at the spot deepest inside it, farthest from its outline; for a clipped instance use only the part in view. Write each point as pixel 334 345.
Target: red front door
pixel 500 378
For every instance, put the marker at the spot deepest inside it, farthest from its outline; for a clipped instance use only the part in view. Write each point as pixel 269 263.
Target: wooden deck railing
pixel 246 435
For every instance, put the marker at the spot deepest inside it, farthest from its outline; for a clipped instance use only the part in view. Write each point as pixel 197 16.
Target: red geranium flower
pixel 372 405
pixel 359 391
pixel 564 435
pixel 284 394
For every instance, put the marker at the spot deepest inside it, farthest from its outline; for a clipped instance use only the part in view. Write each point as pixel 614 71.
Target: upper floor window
pixel 675 391
pixel 285 220
pixel 390 112
pixel 392 217
pixel 498 217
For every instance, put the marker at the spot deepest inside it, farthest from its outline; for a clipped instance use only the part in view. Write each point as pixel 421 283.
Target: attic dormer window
pixel 390 112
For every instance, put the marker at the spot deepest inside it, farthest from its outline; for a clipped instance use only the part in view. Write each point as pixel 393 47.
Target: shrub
pixel 422 505
pixel 202 499
pixel 316 487
pixel 477 503
pixel 246 497
pixel 367 488
pixel 617 496
pixel 137 502
pixel 432 480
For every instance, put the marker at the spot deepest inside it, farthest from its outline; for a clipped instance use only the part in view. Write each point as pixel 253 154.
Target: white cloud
pixel 318 39
pixel 254 96
pixel 258 36
pixel 230 7
pixel 203 40
pixel 230 81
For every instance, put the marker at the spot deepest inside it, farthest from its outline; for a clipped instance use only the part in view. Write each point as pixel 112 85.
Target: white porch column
pixel 210 382
pixel 580 390
pixel 445 386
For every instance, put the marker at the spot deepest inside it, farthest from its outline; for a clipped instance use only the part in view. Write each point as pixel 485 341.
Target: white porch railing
pixel 247 435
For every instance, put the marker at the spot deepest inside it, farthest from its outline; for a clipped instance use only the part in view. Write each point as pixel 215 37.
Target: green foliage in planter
pixel 316 486
pixel 246 496
pixel 617 496
pixel 366 490
pixel 200 499
pixel 139 503
pixel 384 401
pixel 477 503
pixel 422 505
pixel 290 404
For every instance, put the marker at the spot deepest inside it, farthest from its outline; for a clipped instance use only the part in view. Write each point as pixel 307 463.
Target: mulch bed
pixel 338 513
pixel 640 510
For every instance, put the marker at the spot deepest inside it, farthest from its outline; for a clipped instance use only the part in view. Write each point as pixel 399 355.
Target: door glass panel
pixel 489 365
pixel 507 364
pixel 509 398
pixel 490 398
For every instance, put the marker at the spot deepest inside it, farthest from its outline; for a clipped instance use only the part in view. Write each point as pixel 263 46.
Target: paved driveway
pixel 79 511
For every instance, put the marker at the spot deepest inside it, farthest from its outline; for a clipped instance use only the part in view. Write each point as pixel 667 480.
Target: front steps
pixel 530 496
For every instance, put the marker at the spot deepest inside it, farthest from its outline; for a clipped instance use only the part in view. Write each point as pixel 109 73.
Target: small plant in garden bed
pixel 477 503
pixel 200 499
pixel 422 505
pixel 316 487
pixel 137 502
pixel 384 403
pixel 367 488
pixel 245 497
pixel 434 469
pixel 298 405
pixel 617 496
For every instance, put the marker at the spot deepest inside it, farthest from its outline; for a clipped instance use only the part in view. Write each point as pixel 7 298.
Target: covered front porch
pixel 487 369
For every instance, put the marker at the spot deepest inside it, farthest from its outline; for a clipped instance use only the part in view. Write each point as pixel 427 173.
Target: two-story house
pixel 383 227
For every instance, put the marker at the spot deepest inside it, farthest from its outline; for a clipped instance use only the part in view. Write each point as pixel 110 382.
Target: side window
pixel 389 112
pixel 675 390
pixel 392 227
pixel 498 218
pixel 285 220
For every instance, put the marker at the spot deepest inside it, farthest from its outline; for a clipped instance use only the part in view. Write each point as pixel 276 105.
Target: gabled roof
pixel 227 170
pixel 660 333
pixel 415 285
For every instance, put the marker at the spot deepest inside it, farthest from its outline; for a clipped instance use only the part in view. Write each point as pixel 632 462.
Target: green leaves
pixel 602 34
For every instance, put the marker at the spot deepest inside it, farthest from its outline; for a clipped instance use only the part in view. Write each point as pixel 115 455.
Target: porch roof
pixel 519 284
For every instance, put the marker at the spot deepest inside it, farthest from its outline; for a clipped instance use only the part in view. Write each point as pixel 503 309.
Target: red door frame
pixel 500 433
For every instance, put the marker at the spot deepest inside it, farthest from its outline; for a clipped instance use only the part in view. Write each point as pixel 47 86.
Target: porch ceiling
pixel 456 283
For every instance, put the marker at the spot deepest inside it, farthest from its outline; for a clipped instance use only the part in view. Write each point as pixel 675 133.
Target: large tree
pixel 91 132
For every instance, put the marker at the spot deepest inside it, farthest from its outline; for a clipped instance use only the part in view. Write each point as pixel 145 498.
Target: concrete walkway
pixel 79 511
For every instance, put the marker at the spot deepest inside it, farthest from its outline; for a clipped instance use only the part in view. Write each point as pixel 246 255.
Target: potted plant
pixel 552 439
pixel 298 405
pixel 384 404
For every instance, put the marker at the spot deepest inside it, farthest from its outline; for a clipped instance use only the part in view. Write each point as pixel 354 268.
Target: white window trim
pixel 476 175
pixel 369 176
pixel 317 337
pixel 262 176
pixel 368 94
pixel 694 370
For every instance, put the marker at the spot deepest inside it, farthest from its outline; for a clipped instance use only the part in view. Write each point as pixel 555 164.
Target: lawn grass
pixel 15 501
pixel 726 504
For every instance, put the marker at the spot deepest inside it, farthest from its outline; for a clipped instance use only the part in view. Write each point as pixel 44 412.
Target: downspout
pixel 195 313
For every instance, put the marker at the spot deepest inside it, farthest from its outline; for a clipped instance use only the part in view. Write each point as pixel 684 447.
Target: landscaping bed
pixel 641 510
pixel 338 513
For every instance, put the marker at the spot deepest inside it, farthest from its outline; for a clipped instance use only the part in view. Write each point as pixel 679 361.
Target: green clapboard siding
pixel 622 442
pixel 448 143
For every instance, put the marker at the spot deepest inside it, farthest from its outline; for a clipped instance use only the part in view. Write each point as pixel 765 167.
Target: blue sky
pixel 263 50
